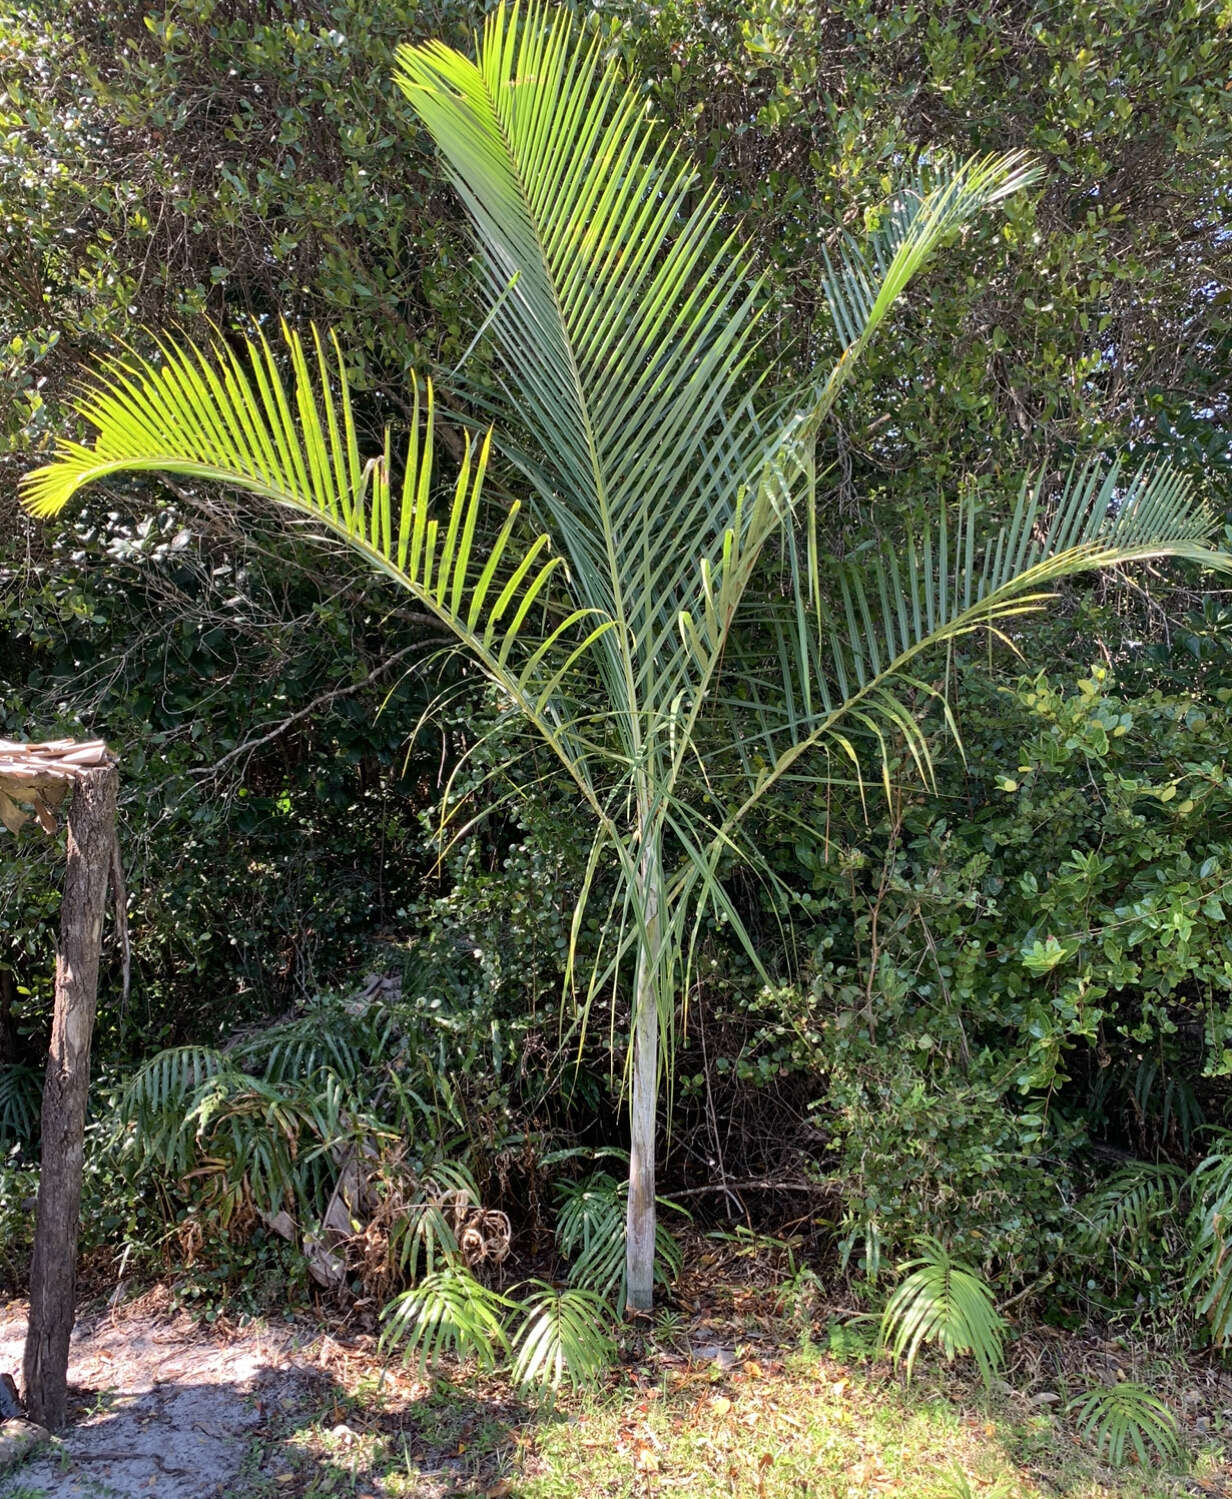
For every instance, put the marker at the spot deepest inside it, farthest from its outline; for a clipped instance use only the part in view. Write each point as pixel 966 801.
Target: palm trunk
pixel 644 1097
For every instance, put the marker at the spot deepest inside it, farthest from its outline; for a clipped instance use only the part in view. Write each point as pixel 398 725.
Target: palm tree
pixel 664 475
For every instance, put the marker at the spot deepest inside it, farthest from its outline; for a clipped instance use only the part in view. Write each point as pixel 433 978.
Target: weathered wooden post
pixel 41 775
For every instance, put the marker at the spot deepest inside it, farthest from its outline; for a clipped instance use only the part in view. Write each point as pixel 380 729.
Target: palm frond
pixel 425 1230
pixel 1124 1418
pixel 421 1237
pixel 1127 1206
pixel 945 1303
pixel 624 316
pixel 20 1095
pixel 229 418
pixel 261 1144
pixel 864 278
pixel 1209 1278
pixel 842 660
pixel 327 1039
pixel 157 1101
pixel 449 1311
pixel 591 1232
pixel 565 1338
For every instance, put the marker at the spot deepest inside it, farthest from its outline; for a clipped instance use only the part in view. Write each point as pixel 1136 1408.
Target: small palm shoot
pixel 945 1303
pixel 957 1485
pixel 449 1311
pixel 1210 1237
pixel 1126 1418
pixel 565 1338
pixel 591 1233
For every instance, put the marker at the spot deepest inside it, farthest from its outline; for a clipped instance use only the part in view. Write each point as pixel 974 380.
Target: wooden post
pixel 53 1270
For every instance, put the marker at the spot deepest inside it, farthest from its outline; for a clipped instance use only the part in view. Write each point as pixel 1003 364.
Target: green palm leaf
pixel 591 1232
pixel 1128 1207
pixel 229 418
pixel 449 1311
pixel 20 1092
pixel 865 278
pixel 1209 1278
pixel 1127 1417
pixel 945 1303
pixel 846 643
pixel 624 318
pixel 566 1338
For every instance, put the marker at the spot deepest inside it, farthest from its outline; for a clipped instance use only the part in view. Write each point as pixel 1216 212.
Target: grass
pixel 730 1392
pixel 777 1417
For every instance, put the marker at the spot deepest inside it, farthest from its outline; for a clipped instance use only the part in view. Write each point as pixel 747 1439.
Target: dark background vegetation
pixel 989 1000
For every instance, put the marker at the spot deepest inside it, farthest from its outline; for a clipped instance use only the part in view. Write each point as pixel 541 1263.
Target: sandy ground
pixel 157 1410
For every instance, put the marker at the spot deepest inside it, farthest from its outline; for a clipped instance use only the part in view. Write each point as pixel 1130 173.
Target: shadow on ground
pixel 159 1408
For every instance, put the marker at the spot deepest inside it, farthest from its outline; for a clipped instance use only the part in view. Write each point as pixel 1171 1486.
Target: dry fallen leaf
pixel 720 1405
pixel 765 1461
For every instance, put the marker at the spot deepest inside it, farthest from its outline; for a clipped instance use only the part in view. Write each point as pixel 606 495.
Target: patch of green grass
pixel 815 1428
pixel 802 1425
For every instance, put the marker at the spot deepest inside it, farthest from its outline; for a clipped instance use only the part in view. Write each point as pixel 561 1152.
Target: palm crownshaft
pixel 626 325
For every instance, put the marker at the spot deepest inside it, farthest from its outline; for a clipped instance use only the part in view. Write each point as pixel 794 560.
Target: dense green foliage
pixel 991 1004
pixel 1048 949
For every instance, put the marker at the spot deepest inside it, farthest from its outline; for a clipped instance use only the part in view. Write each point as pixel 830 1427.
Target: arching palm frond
pixel 865 278
pixel 449 1311
pixel 212 414
pixel 624 317
pixel 157 1100
pixel 1127 1418
pixel 945 1303
pixel 590 1232
pixel 847 641
pixel 565 1338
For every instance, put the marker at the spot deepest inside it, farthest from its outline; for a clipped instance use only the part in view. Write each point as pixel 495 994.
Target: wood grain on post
pixel 53 1269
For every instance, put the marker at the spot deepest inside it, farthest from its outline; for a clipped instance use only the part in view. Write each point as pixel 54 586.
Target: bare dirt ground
pixel 156 1408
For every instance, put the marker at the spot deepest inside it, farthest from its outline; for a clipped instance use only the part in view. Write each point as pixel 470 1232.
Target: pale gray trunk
pixel 644 1095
